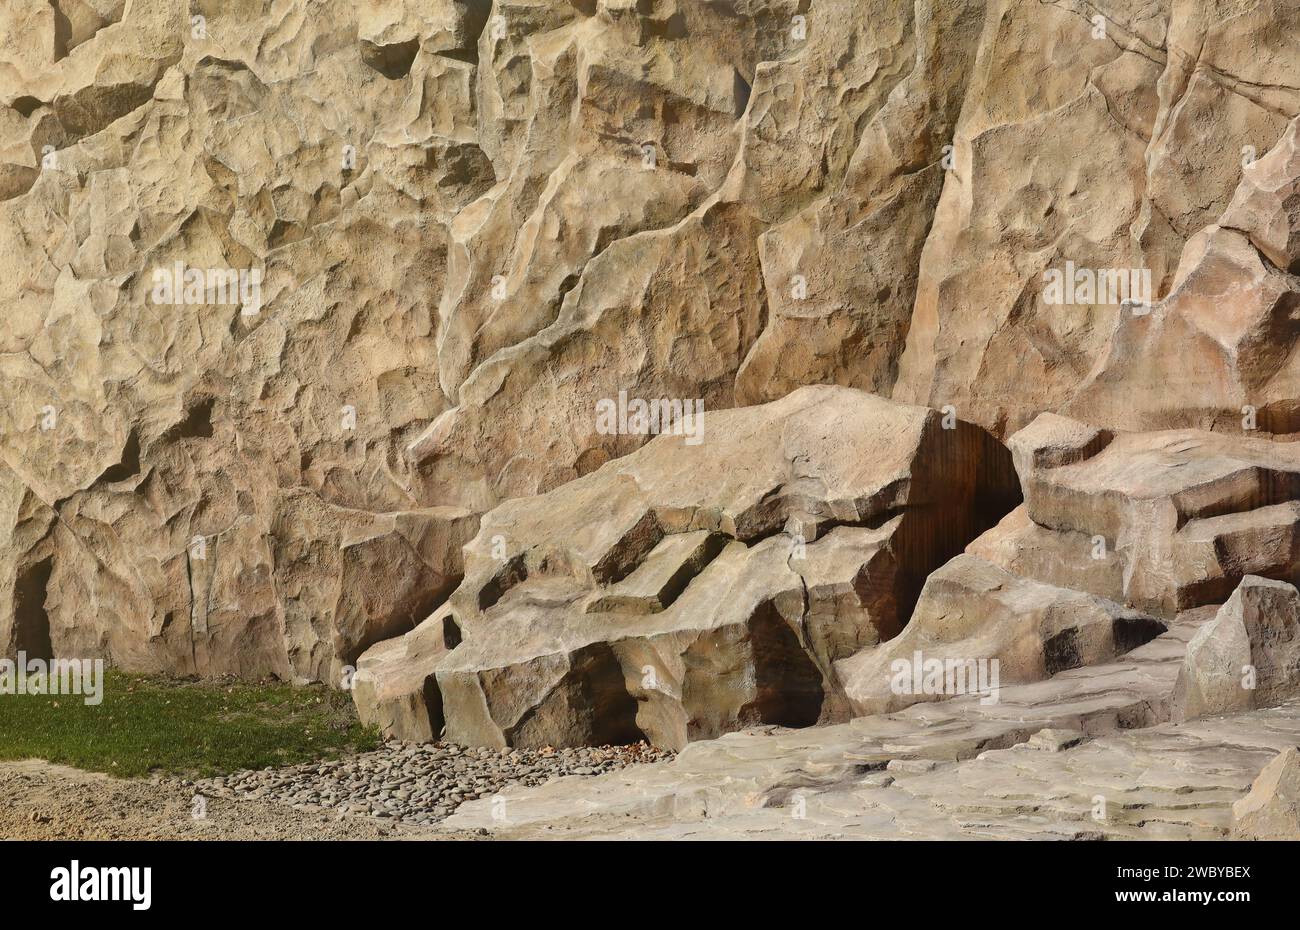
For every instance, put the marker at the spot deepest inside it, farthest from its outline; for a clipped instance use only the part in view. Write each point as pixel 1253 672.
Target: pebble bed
pixel 418 783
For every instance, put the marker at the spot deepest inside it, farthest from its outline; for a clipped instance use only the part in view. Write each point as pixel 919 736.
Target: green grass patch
pixel 181 727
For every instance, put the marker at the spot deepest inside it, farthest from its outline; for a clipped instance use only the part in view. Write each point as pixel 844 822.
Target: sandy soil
pixel 40 801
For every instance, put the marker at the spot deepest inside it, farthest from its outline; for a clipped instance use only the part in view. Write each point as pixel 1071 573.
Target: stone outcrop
pixel 1084 755
pixel 1271 811
pixel 393 685
pixel 977 627
pixel 1248 656
pixel 469 222
pixel 1163 521
pixel 974 326
pixel 686 590
pixel 1119 533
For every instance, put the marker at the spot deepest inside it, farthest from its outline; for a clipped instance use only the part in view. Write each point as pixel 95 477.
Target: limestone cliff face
pixel 295 291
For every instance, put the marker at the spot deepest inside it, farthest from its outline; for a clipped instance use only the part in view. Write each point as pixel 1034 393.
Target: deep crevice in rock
pixel 128 465
pixel 392 61
pixel 790 689
pixel 197 423
pixel 31 621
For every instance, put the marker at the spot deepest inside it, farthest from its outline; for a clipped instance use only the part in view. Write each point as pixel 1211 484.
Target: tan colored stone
pixel 1248 656
pixel 1175 517
pixel 228 498
pixel 1129 112
pixel 977 628
pixel 1266 206
pixel 1271 811
pixel 474 221
pixel 394 686
pixel 685 590
pixel 1219 351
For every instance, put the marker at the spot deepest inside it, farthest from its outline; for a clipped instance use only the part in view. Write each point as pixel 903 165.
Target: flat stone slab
pixel 1167 782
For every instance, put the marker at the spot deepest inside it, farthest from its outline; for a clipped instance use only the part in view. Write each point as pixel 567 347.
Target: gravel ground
pixel 416 784
pixel 41 801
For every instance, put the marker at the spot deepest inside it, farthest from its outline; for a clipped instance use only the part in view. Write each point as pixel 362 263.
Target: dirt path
pixel 40 801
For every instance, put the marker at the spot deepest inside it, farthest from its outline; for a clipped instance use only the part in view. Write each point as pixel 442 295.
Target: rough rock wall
pixel 469 221
pixel 1103 142
pixel 211 489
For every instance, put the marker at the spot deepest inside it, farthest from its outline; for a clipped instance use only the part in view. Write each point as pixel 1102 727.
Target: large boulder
pixel 1248 656
pixel 1271 811
pixel 1164 521
pixel 978 627
pixel 1119 534
pixel 687 590
pixel 393 685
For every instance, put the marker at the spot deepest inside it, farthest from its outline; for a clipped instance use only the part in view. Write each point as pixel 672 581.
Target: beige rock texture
pixel 1248 656
pixel 686 590
pixel 1119 534
pixel 393 686
pixel 1271 811
pixel 314 311
pixel 1032 766
pixel 972 613
pixel 1163 521
pixel 311 307
pixel 1107 135
pixel 1218 352
pixel 196 488
pixel 375 160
